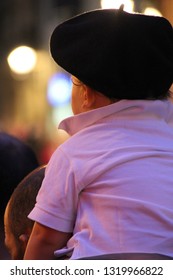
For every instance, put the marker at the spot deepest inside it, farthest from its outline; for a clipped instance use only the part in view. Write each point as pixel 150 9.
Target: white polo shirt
pixel 111 183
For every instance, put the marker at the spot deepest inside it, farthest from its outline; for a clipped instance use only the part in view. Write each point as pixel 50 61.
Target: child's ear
pixel 88 98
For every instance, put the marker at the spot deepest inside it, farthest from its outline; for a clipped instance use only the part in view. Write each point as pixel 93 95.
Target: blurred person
pixel 108 188
pixel 17 159
pixel 16 223
pixel 48 146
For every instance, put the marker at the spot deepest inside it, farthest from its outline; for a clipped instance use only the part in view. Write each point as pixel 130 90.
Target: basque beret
pixel 122 55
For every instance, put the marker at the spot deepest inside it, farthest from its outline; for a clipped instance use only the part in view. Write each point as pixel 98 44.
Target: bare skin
pixel 43 242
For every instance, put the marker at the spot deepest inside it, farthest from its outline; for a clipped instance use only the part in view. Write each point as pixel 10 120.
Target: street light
pixel 151 11
pixel 22 60
pixel 115 4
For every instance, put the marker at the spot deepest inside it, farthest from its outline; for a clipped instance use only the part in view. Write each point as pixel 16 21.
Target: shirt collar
pixel 74 124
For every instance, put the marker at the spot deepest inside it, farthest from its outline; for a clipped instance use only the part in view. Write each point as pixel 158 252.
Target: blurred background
pixel 34 91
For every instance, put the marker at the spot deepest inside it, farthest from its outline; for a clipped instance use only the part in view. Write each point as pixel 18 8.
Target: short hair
pixel 17 159
pixel 22 201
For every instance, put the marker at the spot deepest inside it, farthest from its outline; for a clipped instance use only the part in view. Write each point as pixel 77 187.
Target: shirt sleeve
pixel 56 203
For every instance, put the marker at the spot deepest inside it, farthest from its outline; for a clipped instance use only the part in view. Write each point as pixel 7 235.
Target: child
pixel 108 188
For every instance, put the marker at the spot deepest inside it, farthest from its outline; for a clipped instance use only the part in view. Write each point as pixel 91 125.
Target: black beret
pixel 122 55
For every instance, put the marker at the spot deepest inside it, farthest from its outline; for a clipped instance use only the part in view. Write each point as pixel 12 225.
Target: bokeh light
pixel 22 60
pixel 110 4
pixel 59 89
pixel 152 12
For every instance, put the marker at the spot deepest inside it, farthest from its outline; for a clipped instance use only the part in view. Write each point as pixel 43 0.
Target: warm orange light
pixel 152 12
pixel 22 60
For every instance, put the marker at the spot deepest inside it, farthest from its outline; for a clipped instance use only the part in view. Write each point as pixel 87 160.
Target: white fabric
pixel 111 183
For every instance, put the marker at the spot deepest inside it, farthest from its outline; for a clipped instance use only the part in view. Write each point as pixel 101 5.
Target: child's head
pixel 17 225
pixel 121 55
pixel 85 98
